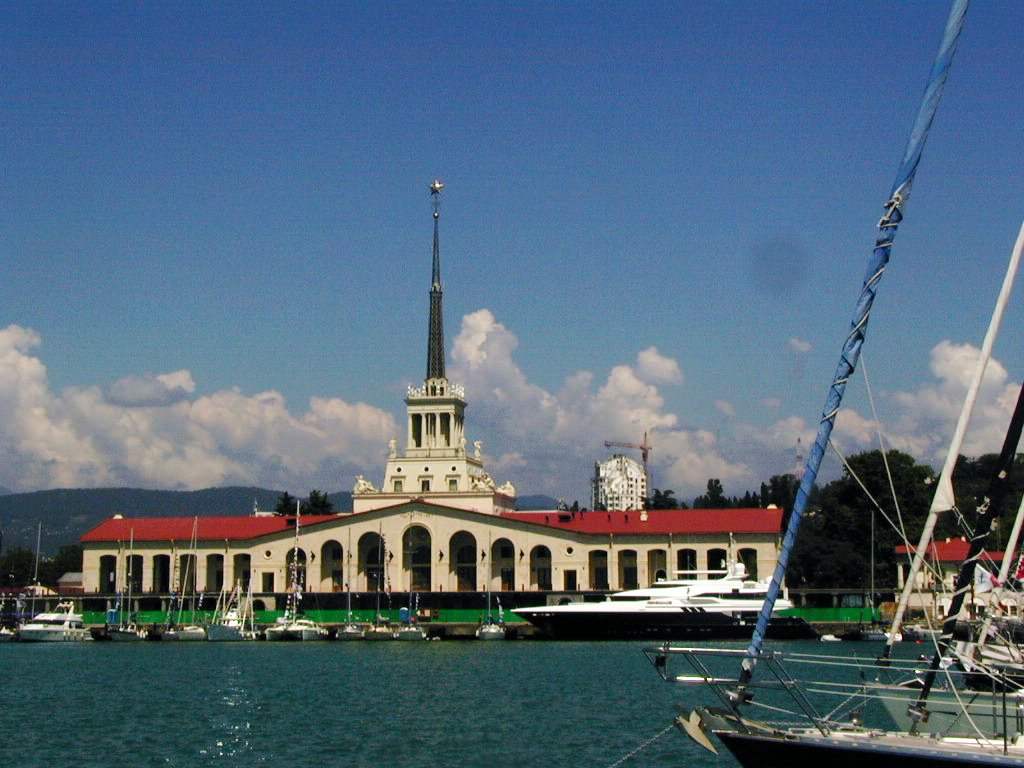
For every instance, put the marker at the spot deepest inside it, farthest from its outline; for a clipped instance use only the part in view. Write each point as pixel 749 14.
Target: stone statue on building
pixel 507 489
pixel 477 449
pixel 393 447
pixel 483 482
pixel 363 486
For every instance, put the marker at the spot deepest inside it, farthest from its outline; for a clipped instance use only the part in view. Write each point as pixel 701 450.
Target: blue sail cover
pixel 850 355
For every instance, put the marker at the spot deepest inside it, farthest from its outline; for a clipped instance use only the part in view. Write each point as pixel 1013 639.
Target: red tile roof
pixel 209 528
pixel 945 551
pixel 659 521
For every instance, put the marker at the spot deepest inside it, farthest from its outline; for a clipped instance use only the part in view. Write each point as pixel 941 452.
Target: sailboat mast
pixel 988 511
pixel 292 608
pixel 945 498
pixel 39 538
pixel 348 575
pixel 887 228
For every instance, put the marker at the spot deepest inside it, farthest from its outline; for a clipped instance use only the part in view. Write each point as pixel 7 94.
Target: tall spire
pixel 435 339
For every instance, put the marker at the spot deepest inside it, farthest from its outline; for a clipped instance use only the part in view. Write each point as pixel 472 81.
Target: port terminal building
pixel 436 525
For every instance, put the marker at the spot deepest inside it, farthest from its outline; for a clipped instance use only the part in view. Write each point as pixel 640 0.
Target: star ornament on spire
pixel 436 187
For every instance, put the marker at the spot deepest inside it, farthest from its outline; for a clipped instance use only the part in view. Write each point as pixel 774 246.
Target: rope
pixel 642 747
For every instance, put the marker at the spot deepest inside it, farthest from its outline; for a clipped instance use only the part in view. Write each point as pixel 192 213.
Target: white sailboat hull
pixel 190 632
pixel 300 629
pixel 490 632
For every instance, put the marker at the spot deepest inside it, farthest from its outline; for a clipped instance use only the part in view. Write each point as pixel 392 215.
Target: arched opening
pixel 108 574
pixel 464 558
pixel 598 567
pixel 370 564
pixel 242 567
pixel 748 556
pixel 133 574
pixel 718 560
pixel 186 574
pixel 416 547
pixel 332 559
pixel 657 566
pixel 214 573
pixel 503 565
pixel 540 568
pixel 686 563
pixel 628 569
pixel 162 574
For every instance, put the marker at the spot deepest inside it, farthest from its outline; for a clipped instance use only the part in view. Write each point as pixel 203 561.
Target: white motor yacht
pixel 688 608
pixel 60 625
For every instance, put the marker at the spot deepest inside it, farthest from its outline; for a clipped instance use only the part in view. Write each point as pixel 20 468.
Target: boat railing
pixel 728 688
pixel 837 691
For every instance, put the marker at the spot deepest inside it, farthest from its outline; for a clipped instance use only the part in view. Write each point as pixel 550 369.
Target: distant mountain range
pixel 68 513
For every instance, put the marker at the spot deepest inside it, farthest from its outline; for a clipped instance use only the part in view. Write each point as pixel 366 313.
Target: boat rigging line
pixel 633 753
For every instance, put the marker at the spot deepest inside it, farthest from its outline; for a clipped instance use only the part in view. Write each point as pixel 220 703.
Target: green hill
pixel 66 514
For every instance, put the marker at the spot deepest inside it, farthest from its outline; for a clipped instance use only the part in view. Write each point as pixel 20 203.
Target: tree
pixel 780 491
pixel 714 498
pixel 285 504
pixel 834 545
pixel 318 504
pixel 67 560
pixel 17 567
pixel 663 500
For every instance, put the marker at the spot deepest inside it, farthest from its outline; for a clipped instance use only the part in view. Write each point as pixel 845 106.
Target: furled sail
pixel 850 355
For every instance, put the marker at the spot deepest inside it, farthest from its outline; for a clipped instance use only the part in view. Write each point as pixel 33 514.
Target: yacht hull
pixel 679 624
pixel 789 750
pixel 53 635
pixel 760 746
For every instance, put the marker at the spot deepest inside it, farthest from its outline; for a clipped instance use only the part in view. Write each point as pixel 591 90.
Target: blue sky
pixel 215 234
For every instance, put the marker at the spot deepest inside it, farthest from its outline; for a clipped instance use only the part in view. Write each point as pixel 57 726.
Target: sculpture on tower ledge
pixel 363 486
pixel 483 482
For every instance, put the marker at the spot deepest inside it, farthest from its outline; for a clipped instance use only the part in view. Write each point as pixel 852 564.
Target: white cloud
pixel 151 390
pixel 556 437
pixel 144 431
pixel 653 367
pixel 799 346
pixel 927 416
pixel 153 430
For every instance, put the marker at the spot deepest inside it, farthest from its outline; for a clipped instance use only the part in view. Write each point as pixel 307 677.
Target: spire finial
pixel 435 340
pixel 435 194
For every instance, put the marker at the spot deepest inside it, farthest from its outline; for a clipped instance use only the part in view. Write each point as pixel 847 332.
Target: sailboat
pixel 191 630
pixel 121 625
pixel 350 630
pixel 381 627
pixel 491 629
pixel 232 617
pixel 814 735
pixel 408 629
pixel 292 625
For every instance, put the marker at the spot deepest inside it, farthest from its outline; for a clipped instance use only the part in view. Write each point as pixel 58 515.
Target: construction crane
pixel 645 450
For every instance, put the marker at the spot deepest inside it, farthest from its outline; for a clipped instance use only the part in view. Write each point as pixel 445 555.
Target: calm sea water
pixel 341 704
